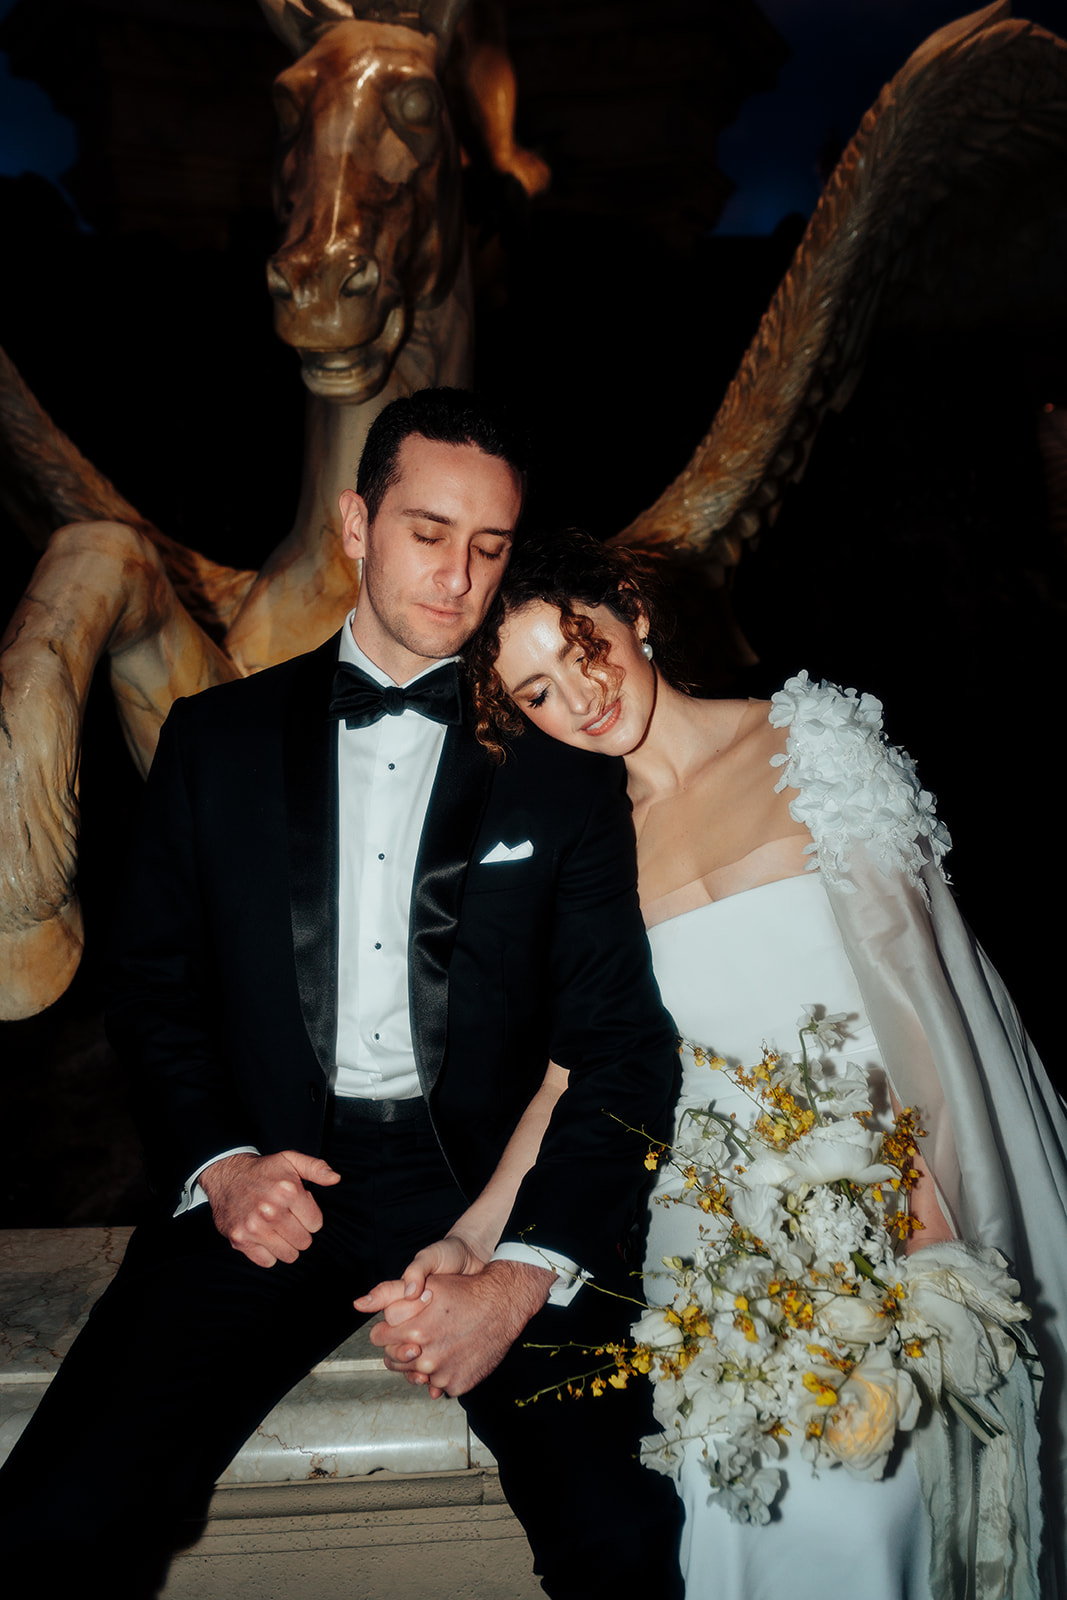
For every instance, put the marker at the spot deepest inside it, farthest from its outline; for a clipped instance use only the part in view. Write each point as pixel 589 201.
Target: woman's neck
pixel 684 734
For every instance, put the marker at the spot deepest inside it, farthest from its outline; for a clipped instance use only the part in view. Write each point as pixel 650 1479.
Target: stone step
pixel 356 1484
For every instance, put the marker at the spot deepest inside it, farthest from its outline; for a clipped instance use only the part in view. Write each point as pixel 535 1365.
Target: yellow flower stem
pixel 558 1388
pixel 678 1156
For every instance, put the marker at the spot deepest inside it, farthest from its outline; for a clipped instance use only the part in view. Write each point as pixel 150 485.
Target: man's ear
pixel 354 523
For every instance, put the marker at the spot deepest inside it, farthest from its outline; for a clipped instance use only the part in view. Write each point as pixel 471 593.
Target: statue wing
pixel 108 584
pixel 45 482
pixel 961 160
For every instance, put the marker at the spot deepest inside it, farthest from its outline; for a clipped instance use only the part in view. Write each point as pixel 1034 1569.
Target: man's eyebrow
pixel 428 516
pixel 449 522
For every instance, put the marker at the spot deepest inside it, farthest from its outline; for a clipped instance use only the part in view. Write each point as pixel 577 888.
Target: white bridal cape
pixel 952 1043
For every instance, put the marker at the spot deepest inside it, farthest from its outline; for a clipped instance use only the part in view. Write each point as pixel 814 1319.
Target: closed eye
pixel 539 698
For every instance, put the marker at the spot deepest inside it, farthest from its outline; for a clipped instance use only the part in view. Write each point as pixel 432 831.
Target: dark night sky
pixel 842 53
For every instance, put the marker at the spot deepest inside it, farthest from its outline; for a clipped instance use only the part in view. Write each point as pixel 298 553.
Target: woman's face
pixel 607 709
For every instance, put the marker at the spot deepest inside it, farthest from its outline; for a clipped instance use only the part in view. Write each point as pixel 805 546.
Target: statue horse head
pixel 366 186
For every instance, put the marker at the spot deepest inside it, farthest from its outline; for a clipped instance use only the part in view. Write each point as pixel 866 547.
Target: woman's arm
pixel 934 1226
pixel 471 1241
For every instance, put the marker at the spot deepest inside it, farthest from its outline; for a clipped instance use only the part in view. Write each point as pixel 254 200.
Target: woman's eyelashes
pixel 538 699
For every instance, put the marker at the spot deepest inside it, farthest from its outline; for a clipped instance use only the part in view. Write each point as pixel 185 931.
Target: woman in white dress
pixel 788 858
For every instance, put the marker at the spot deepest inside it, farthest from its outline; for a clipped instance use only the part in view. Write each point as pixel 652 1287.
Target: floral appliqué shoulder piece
pixel 852 783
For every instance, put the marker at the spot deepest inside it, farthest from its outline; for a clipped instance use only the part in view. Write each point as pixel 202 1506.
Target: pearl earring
pixel 646 649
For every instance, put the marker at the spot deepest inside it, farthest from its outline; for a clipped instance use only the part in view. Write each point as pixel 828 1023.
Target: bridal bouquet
pixel 794 1317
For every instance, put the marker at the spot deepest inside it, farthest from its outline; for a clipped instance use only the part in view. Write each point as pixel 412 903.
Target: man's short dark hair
pixel 446 416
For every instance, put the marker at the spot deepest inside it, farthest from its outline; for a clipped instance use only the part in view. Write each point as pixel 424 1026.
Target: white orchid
pixel 842 1092
pixel 744 1488
pixel 828 1031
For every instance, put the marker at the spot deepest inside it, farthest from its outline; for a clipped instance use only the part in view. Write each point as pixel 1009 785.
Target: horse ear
pixel 298 23
pixel 440 17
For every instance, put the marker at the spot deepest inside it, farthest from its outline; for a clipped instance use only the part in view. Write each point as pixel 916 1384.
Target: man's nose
pixel 454 571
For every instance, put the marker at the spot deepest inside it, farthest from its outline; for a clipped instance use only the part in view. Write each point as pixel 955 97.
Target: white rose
pixel 872 1404
pixel 825 1155
pixel 654 1330
pixel 759 1209
pixel 854 1320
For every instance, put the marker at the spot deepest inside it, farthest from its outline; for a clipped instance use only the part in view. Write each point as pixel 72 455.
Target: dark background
pixel 687 141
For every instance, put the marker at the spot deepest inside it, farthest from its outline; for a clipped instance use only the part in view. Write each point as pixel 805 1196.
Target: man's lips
pixel 605 722
pixel 443 613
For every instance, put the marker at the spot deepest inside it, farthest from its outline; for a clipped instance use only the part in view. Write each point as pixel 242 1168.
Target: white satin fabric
pixel 736 974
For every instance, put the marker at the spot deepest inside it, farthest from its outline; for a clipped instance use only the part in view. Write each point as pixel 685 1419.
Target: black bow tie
pixel 361 702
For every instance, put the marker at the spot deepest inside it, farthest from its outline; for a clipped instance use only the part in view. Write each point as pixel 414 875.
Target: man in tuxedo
pixel 349 945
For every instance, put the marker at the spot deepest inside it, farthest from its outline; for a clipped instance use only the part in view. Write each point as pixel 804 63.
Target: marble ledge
pixel 349 1417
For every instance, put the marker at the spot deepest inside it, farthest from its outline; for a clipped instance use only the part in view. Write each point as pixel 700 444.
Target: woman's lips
pixel 604 722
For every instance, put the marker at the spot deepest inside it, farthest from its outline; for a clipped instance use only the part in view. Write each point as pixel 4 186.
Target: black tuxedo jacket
pixel 224 971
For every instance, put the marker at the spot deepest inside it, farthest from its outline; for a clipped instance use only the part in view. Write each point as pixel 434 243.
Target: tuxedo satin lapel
pixel 310 761
pixel 453 818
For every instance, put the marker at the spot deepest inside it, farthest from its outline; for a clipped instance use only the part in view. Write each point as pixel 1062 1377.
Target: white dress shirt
pixel 385 774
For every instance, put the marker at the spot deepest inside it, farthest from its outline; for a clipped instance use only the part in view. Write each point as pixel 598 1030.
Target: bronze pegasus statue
pixel 370 286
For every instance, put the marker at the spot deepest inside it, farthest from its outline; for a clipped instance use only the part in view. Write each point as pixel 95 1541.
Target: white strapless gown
pixel 734 974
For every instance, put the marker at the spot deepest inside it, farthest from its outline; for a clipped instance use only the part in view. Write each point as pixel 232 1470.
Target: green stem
pixel 865 1270
pixel 730 1127
pixel 804 1073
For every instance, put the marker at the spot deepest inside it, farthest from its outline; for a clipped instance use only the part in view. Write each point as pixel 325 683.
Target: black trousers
pixel 192 1345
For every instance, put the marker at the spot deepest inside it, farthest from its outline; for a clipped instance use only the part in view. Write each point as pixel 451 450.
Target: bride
pixel 789 859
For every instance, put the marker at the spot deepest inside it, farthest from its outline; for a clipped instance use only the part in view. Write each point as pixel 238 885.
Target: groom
pixel 348 948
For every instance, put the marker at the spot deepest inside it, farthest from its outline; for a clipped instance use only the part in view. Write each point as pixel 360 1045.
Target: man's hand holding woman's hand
pixel 451 1256
pixel 449 1326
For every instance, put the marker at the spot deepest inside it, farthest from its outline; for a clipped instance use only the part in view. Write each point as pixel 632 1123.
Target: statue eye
pixel 415 102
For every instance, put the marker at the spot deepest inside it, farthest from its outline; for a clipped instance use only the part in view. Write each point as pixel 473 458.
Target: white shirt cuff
pixel 192 1195
pixel 569 1276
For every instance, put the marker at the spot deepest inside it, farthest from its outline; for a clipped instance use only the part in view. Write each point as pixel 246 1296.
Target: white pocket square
pixel 504 852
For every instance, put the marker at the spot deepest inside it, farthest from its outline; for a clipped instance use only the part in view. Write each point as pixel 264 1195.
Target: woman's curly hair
pixel 565 569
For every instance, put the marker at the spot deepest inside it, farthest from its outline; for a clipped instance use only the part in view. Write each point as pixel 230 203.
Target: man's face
pixel 434 555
